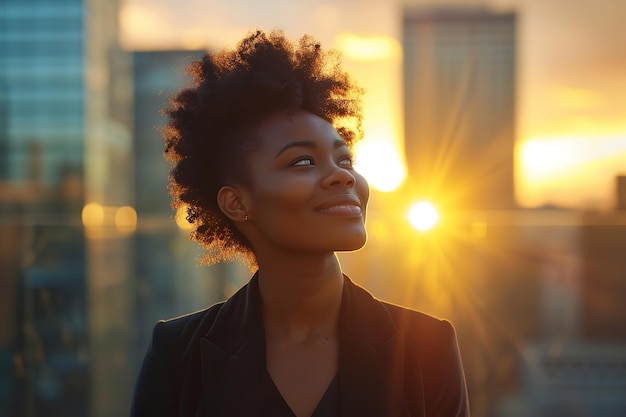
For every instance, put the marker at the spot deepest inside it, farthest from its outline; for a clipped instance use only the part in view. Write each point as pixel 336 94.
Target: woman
pixel 261 153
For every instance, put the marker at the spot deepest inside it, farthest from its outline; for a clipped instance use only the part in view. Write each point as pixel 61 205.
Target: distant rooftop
pixel 453 13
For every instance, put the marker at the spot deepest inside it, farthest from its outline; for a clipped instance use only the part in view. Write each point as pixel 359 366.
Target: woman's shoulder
pixel 172 344
pixel 422 326
pixel 432 342
pixel 182 330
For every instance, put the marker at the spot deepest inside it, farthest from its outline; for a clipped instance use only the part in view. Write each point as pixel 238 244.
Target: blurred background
pixel 495 146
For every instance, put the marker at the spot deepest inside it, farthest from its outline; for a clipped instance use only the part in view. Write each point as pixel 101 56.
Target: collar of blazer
pixel 371 357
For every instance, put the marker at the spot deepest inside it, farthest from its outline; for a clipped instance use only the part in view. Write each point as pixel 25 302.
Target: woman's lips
pixel 341 205
pixel 343 210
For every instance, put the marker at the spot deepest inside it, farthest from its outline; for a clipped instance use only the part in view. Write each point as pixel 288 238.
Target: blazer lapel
pixel 372 353
pixel 371 366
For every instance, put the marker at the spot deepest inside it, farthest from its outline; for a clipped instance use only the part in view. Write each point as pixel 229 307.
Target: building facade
pixel 459 77
pixel 64 143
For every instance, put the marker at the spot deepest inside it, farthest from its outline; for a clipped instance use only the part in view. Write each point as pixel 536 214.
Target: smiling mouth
pixel 343 210
pixel 343 205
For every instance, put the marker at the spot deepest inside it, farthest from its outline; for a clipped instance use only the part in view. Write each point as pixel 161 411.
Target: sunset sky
pixel 571 135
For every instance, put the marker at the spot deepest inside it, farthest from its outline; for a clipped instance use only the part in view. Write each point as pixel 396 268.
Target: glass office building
pixel 460 94
pixel 89 254
pixel 64 117
pixel 41 87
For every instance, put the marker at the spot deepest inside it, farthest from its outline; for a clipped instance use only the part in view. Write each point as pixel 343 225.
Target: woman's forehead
pixel 296 128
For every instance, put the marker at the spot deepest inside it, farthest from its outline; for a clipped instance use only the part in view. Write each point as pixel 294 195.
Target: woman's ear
pixel 230 201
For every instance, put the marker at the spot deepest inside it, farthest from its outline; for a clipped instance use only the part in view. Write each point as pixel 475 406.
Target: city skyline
pixel 571 138
pixel 93 255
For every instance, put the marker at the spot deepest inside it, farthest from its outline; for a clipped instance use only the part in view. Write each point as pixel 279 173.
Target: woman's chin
pixel 353 245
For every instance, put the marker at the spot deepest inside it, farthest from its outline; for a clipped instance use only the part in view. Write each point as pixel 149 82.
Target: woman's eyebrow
pixel 338 143
pixel 296 144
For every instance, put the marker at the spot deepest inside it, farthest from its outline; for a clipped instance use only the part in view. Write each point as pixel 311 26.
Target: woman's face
pixel 304 195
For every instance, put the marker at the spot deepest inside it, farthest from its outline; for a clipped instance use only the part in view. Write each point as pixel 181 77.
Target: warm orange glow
pixel 478 229
pixel 578 98
pixel 381 164
pixel 554 170
pixel 423 216
pixel 368 48
pixel 543 158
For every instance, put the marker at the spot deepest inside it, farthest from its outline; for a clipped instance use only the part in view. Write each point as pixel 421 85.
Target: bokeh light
pixel 93 215
pixel 181 219
pixel 126 219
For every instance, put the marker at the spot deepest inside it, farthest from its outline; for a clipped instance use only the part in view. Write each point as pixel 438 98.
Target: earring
pixel 245 218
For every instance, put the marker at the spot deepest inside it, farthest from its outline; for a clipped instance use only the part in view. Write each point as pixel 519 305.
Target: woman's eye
pixel 303 161
pixel 346 161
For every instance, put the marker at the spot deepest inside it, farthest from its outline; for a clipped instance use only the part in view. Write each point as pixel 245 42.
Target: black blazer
pixel 392 361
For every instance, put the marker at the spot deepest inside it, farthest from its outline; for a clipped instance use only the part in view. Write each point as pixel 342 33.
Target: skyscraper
pixel 65 141
pixel 41 83
pixel 459 75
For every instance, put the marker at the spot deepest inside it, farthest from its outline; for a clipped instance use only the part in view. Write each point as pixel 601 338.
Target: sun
pixel 423 216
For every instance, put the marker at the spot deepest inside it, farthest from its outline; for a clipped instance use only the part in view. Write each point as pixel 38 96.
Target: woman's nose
pixel 339 177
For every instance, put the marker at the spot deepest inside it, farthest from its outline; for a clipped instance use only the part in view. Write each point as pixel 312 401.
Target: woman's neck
pixel 301 300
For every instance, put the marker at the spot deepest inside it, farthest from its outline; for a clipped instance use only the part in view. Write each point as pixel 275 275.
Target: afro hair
pixel 210 123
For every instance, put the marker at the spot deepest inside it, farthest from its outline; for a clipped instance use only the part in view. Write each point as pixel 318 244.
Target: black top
pixel 276 406
pixel 393 361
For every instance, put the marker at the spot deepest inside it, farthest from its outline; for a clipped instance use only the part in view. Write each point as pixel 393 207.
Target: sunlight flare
pixel 381 164
pixel 423 216
pixel 554 169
